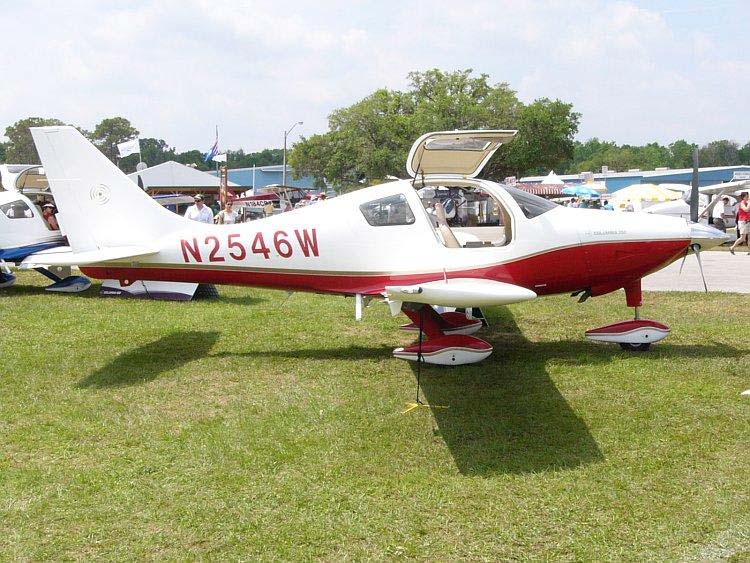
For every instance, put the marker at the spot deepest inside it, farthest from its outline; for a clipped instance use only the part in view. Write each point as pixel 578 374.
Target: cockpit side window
pixel 531 205
pixel 16 210
pixel 388 211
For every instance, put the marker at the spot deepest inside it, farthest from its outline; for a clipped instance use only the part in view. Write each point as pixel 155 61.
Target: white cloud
pixel 178 68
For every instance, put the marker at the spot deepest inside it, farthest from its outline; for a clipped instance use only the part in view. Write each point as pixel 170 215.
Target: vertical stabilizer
pixel 98 205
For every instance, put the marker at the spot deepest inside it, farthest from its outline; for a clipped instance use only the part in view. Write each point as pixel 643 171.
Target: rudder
pixel 99 206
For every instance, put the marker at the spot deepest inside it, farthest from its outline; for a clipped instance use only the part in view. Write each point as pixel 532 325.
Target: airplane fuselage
pixel 330 247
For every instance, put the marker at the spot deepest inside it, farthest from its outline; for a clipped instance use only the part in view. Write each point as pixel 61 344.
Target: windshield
pixel 531 205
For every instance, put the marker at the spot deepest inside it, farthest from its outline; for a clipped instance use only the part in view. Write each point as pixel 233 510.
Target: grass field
pixel 254 427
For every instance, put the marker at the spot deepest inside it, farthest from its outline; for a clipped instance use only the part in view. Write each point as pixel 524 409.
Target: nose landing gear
pixel 636 335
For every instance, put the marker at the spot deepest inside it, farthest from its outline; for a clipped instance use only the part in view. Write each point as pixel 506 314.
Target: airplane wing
pixel 725 188
pixel 64 256
pixel 459 292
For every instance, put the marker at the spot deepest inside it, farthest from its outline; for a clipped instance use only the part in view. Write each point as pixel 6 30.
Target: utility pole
pixel 286 134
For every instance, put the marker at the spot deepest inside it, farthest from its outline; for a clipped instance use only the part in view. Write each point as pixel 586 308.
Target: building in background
pixel 618 180
pixel 261 176
pixel 170 177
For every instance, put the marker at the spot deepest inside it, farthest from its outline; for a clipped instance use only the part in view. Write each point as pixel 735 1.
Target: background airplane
pixel 24 232
pixel 378 242
pixel 26 236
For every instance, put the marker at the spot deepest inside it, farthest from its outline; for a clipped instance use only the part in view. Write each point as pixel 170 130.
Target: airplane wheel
pixel 206 291
pixel 635 347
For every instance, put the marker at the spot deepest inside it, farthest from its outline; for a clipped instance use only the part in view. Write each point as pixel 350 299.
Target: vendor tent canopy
pixel 552 179
pixel 549 190
pixel 581 191
pixel 172 176
pixel 600 187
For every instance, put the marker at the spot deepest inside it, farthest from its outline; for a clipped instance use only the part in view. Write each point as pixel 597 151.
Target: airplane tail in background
pixel 99 206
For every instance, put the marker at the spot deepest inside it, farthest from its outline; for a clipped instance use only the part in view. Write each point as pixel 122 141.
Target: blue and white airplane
pixel 24 232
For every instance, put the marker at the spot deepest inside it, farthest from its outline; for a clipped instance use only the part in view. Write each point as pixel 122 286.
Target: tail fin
pixel 99 205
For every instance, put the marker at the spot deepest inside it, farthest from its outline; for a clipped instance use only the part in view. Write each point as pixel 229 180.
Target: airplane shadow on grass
pixel 505 414
pixel 145 363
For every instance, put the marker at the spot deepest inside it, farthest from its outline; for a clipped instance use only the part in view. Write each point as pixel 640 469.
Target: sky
pixel 637 71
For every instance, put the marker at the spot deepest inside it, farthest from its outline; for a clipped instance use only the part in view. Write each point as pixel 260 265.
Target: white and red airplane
pixel 502 246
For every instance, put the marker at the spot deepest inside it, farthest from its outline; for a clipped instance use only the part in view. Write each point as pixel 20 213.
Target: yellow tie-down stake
pixel 411 405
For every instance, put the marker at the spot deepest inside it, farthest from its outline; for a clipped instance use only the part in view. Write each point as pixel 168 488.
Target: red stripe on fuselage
pixel 557 271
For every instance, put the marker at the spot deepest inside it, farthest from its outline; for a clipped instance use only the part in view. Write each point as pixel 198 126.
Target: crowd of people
pixel 587 203
pixel 202 213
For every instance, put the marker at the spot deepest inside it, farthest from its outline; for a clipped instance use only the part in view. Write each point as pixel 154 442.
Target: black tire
pixel 206 291
pixel 635 347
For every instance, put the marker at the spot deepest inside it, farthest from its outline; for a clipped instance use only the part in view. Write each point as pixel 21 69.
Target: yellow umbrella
pixel 645 192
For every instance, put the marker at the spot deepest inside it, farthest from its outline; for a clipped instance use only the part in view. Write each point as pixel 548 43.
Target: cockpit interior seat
pixel 449 238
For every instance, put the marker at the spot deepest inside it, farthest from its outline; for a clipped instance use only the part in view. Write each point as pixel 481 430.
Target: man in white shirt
pixel 199 211
pixel 717 214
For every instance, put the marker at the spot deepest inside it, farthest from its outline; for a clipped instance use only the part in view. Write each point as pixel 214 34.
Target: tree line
pixel 20 149
pixel 369 140
pixel 593 154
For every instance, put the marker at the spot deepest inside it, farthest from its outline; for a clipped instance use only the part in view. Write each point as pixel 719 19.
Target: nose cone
pixel 706 237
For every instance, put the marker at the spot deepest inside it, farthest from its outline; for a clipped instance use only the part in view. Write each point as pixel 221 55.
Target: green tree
pixel 20 147
pixel 267 157
pixel 594 154
pixel 316 156
pixel 456 100
pixel 544 141
pixel 720 153
pixel 192 157
pixel 744 153
pixel 110 132
pixel 153 152
pixel 3 148
pixel 371 138
pixel 681 154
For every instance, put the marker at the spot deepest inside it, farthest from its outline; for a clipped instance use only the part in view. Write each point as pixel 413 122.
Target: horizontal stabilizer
pixel 460 292
pixel 64 256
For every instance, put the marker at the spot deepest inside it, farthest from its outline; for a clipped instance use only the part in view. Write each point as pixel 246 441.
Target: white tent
pixel 552 179
pixel 175 176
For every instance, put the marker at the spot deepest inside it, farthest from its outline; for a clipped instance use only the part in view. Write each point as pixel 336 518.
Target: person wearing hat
pixel 48 214
pixel 199 211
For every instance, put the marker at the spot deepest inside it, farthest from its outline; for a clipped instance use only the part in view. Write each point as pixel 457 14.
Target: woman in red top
pixel 49 216
pixel 743 222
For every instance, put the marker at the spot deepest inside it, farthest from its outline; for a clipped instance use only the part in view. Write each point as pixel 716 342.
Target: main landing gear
pixel 636 335
pixel 6 276
pixel 444 339
pixel 63 280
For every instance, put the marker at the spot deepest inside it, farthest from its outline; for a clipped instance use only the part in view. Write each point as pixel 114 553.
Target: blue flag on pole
pixel 214 150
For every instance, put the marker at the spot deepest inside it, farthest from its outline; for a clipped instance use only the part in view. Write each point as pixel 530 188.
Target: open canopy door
pixel 455 153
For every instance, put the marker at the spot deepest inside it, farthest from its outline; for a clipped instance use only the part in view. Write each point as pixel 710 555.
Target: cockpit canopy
pixel 455 153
